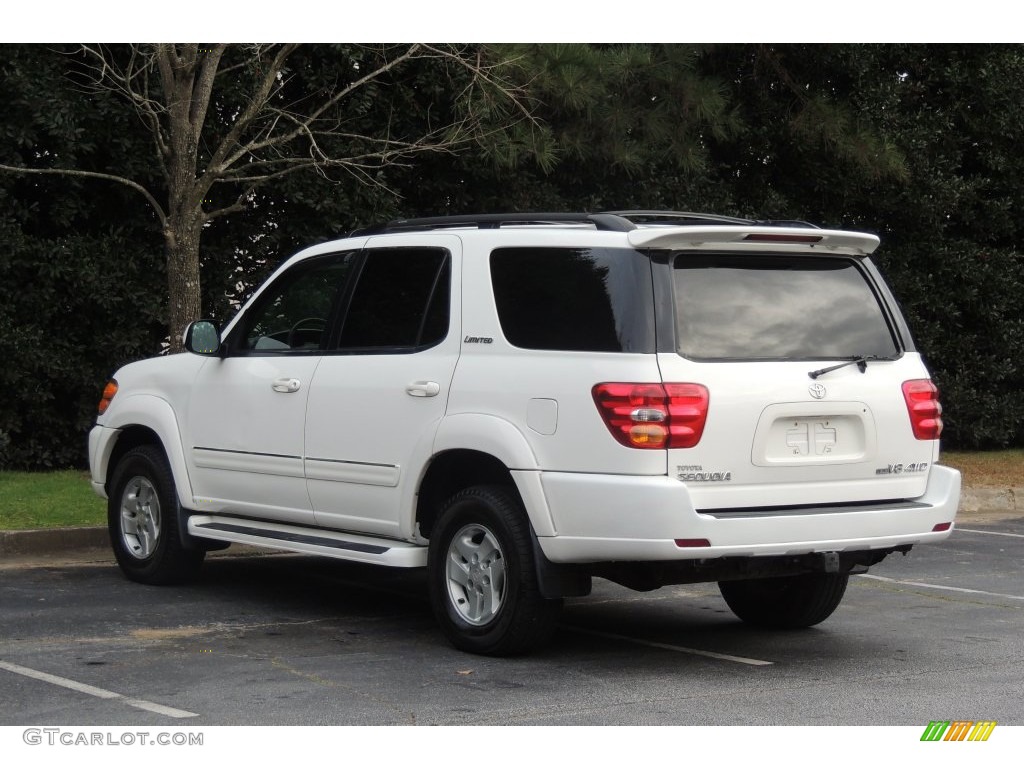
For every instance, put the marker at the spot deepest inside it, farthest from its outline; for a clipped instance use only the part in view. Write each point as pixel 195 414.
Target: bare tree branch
pixel 266 128
pixel 241 204
pixel 133 84
pixel 93 175
pixel 299 130
pixel 483 73
pixel 384 149
pixel 256 104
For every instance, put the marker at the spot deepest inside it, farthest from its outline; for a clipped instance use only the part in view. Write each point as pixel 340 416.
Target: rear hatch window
pixel 778 307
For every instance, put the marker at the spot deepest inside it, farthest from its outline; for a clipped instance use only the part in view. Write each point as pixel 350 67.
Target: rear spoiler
pixel 676 238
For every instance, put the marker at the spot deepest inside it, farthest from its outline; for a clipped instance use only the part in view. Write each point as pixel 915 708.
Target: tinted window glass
pixel 292 313
pixel 401 300
pixel 768 307
pixel 575 299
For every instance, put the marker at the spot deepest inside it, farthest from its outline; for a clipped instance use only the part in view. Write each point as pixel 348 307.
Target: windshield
pixel 760 307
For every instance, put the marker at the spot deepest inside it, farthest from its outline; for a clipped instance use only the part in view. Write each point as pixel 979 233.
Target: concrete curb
pixel 53 541
pixel 1002 499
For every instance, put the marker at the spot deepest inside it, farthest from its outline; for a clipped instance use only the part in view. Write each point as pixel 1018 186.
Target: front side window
pixel 400 301
pixel 574 299
pixel 768 307
pixel 293 313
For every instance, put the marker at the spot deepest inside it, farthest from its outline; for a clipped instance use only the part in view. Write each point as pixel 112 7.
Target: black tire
pixel 142 516
pixel 789 602
pixel 483 580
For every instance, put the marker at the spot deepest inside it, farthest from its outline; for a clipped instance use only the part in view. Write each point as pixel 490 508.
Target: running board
pixel 310 541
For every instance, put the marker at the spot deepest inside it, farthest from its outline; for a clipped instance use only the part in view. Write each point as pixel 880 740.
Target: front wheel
pixel 483 580
pixel 788 602
pixel 142 517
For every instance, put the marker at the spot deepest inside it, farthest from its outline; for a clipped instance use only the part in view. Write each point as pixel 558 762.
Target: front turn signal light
pixel 108 394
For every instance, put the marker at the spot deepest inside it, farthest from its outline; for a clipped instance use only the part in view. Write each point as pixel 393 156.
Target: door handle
pixel 423 388
pixel 285 385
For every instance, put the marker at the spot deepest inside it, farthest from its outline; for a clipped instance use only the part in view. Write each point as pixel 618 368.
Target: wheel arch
pixel 479 449
pixel 452 471
pixel 486 434
pixel 146 419
pixel 458 469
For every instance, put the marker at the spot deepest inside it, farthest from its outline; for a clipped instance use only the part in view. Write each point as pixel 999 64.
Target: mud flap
pixel 555 581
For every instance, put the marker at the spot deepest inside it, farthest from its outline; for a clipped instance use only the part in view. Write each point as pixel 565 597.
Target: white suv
pixel 522 402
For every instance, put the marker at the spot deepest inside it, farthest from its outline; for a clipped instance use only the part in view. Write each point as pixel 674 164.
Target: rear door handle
pixel 286 385
pixel 423 388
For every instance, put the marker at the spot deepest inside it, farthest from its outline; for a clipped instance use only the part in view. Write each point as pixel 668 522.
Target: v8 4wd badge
pixel 902 469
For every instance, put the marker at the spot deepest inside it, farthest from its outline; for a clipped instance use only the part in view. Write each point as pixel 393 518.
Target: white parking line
pixel 99 693
pixel 939 586
pixel 668 647
pixel 991 533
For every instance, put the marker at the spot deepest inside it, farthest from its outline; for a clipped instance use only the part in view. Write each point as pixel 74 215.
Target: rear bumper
pixel 626 518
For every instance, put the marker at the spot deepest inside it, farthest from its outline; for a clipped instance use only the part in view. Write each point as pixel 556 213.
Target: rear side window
pixel 574 299
pixel 760 307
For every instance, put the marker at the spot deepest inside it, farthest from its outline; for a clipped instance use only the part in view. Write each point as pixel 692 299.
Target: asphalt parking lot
pixel 293 640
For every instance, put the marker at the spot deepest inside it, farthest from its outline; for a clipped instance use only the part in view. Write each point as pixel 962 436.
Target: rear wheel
pixel 789 602
pixel 483 581
pixel 142 516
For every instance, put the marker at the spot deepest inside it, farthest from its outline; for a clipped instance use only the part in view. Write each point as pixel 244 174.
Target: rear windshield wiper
pixel 861 361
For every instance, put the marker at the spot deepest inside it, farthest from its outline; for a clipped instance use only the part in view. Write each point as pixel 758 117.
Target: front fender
pixel 156 414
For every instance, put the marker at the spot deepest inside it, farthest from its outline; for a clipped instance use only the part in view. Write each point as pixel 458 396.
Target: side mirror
pixel 203 338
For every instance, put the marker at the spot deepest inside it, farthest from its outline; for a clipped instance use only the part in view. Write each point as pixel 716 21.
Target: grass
pixel 988 469
pixel 30 500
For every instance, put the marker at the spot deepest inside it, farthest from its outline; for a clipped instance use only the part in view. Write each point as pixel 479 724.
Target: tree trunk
pixel 184 223
pixel 184 304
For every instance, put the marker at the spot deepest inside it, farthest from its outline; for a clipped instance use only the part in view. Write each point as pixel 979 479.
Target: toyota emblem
pixel 817 391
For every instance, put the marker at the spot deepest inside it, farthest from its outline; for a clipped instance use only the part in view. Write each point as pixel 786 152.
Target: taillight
pixel 108 394
pixel 653 415
pixel 925 410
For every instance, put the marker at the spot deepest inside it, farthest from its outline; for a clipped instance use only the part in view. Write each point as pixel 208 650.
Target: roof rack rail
pixel 602 221
pixel 613 221
pixel 787 223
pixel 679 217
pixel 688 218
